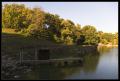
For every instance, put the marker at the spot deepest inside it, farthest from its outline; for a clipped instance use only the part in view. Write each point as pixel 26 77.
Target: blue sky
pixel 102 15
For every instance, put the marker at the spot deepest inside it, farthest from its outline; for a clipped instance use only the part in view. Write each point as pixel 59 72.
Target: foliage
pixel 81 40
pixel 90 33
pixel 76 32
pixel 16 16
pixel 43 25
pixel 52 24
pixel 67 31
pixel 108 38
pixel 116 38
pixel 38 18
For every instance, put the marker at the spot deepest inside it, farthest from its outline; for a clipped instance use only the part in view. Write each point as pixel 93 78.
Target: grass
pixel 8 30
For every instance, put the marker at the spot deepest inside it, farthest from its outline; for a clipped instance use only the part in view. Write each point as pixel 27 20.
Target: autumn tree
pixel 37 23
pixel 16 16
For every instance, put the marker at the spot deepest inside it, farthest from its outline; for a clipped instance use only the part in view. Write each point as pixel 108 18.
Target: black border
pixel 59 0
pixel 69 1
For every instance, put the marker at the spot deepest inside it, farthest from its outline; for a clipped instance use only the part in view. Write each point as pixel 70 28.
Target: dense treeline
pixel 40 24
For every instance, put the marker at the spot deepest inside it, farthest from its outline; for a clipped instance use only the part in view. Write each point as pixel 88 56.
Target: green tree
pixel 91 35
pixel 108 36
pixel 66 31
pixel 116 38
pixel 81 40
pixel 76 32
pixel 52 23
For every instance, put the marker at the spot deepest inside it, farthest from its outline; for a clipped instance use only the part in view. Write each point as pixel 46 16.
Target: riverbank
pixel 12 42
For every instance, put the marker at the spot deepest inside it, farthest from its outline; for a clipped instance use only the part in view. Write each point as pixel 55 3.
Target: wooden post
pixel 20 55
pixel 36 58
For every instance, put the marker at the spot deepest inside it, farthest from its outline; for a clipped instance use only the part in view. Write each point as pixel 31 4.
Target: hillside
pixel 12 39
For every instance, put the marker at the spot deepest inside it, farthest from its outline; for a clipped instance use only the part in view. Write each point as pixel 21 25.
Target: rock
pixel 29 70
pixel 16 76
pixel 7 74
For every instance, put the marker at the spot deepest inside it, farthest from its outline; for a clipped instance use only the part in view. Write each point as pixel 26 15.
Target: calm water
pixel 96 66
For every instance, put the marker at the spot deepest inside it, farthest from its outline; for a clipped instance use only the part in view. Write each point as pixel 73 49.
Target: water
pixel 105 68
pixel 96 66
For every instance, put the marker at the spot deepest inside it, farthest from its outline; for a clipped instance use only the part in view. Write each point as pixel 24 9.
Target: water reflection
pixel 104 49
pixel 91 62
pixel 106 66
pixel 97 65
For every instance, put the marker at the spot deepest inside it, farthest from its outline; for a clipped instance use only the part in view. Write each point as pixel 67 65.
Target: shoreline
pixel 109 45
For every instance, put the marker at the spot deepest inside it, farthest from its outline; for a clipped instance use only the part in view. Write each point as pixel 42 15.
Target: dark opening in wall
pixel 43 54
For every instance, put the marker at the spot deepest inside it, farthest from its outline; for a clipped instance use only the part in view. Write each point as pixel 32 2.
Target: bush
pixel 68 40
pixel 81 40
pixel 32 29
pixel 17 30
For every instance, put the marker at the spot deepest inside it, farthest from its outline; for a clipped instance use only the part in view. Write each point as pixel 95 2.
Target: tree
pixel 38 17
pixel 91 35
pixel 106 38
pixel 40 24
pixel 16 16
pixel 36 28
pixel 81 40
pixel 100 34
pixel 76 32
pixel 52 23
pixel 66 31
pixel 115 39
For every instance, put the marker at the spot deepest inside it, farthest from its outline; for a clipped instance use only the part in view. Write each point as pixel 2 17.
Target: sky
pixel 102 15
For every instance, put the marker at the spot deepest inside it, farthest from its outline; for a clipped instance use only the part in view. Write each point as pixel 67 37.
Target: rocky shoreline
pixel 11 69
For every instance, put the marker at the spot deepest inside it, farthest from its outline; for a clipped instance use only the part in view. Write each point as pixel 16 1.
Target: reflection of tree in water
pixel 104 49
pixel 50 72
pixel 62 72
pixel 90 62
pixel 89 65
